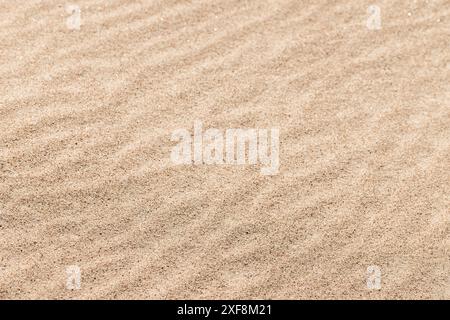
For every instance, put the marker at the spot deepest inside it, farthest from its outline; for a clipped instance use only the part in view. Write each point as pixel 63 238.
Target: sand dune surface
pixel 88 110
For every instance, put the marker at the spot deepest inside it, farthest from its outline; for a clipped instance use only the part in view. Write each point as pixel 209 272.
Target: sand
pixel 86 177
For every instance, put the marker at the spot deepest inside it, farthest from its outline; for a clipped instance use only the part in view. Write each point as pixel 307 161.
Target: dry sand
pixel 85 171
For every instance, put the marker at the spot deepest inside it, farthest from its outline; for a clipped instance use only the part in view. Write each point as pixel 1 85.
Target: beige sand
pixel 85 171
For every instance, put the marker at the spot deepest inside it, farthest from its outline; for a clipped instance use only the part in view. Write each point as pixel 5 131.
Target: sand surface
pixel 86 177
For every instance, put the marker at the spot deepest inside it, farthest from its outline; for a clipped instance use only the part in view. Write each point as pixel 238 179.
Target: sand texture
pixel 86 177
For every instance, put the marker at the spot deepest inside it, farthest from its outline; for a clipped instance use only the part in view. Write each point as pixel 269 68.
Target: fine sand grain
pixel 85 141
